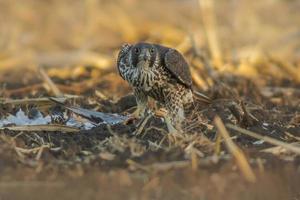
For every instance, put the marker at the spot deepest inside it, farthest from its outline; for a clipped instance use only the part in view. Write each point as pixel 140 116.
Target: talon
pixel 161 112
pixel 130 120
pixel 137 114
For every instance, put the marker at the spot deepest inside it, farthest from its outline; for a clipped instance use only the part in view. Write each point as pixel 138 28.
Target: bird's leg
pixel 141 100
pixel 170 126
pixel 173 122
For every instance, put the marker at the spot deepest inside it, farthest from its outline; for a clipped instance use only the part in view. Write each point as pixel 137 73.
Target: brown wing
pixel 177 65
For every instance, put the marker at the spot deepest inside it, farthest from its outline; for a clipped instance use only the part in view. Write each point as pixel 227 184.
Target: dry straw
pixel 237 153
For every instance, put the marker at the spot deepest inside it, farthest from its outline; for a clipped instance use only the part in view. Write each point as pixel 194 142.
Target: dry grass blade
pixel 194 160
pixel 36 100
pixel 185 45
pixel 199 82
pixel 241 160
pixel 50 83
pixel 209 23
pixel 33 150
pixel 202 97
pixel 270 140
pixel 292 71
pixel 248 116
pixel 50 128
pixel 142 125
pixel 277 150
pixel 292 136
pixel 217 149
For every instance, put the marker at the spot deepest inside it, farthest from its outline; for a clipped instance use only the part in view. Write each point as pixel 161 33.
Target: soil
pixel 113 162
pixel 254 86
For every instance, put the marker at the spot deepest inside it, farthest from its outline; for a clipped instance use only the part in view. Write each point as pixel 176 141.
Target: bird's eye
pixel 137 50
pixel 152 50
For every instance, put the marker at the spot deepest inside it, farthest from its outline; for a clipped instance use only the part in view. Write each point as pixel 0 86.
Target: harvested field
pixel 64 126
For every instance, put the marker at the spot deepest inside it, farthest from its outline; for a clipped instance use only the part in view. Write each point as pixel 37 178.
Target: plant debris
pixel 65 125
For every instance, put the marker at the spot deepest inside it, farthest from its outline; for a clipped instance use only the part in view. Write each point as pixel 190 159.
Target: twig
pixel 156 146
pixel 50 83
pixel 240 158
pixel 40 152
pixel 51 128
pixel 36 100
pixel 248 117
pixel 292 136
pixel 218 145
pixel 277 149
pixel 199 82
pixel 33 150
pixel 142 125
pixel 265 138
pixel 194 153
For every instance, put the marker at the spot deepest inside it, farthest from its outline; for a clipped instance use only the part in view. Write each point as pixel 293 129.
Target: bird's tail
pixel 201 97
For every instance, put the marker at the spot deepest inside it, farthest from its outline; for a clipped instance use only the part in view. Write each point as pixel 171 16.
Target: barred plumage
pixel 158 72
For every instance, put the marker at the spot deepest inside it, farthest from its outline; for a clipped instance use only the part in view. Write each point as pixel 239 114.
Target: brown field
pixel 243 54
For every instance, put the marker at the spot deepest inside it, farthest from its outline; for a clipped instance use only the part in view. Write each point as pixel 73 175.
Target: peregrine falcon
pixel 158 72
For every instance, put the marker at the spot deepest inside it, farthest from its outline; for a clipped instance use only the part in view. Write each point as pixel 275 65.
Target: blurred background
pixel 239 36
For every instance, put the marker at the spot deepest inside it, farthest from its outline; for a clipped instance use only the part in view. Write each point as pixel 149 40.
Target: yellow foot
pixel 137 114
pixel 130 120
pixel 161 112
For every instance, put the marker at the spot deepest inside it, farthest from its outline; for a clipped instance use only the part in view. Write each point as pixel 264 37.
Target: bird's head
pixel 144 55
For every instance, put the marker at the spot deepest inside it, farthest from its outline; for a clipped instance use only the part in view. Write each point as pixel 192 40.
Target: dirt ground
pixel 254 82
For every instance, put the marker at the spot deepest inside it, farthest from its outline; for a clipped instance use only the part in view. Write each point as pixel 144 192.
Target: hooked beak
pixel 145 56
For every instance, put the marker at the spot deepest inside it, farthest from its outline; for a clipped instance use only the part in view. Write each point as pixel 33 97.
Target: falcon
pixel 158 72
